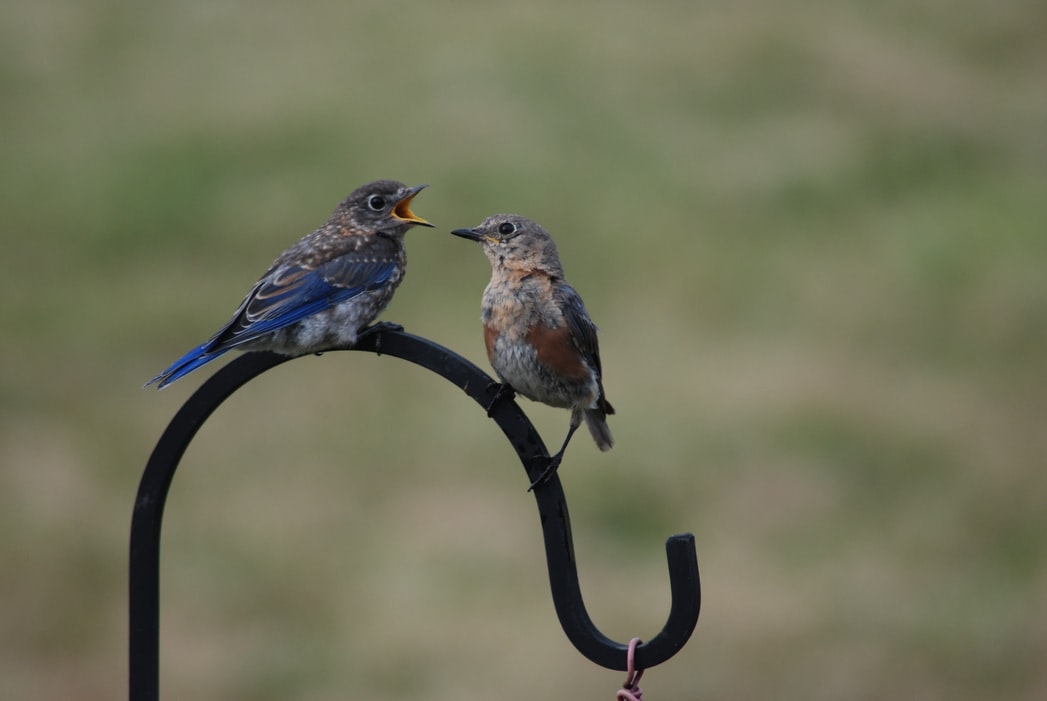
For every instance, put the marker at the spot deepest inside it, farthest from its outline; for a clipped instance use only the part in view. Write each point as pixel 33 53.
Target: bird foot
pixel 381 326
pixel 378 329
pixel 550 469
pixel 503 392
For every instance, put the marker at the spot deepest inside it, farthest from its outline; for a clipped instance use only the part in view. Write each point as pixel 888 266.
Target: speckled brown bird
pixel 322 291
pixel 540 339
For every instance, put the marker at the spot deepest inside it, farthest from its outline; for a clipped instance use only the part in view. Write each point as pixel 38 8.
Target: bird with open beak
pixel 325 289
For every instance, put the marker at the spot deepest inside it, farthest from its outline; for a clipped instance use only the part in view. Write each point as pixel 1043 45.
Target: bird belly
pixel 517 364
pixel 336 327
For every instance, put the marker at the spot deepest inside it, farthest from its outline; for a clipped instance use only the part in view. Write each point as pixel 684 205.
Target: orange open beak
pixel 402 210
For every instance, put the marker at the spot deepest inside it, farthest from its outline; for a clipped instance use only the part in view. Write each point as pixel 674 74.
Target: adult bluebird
pixel 539 337
pixel 322 291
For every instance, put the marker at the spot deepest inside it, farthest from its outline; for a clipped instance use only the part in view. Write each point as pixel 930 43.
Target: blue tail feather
pixel 201 355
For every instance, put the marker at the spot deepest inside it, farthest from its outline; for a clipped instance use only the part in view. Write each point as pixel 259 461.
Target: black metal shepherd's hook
pixel 144 602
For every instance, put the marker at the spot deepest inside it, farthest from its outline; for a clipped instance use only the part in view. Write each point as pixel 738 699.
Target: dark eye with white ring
pixel 506 228
pixel 376 202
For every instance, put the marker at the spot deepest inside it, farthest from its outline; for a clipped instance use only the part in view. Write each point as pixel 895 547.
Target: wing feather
pixel 290 293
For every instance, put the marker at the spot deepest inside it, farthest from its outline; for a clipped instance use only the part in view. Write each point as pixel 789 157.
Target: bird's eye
pixel 376 202
pixel 506 228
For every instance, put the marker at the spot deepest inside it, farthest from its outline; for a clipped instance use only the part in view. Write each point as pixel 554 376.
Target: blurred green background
pixel 814 236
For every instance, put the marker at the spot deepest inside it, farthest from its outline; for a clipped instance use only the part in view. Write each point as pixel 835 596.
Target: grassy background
pixel 814 238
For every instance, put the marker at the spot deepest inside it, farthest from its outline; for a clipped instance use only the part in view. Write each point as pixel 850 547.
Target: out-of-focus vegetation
pixel 814 237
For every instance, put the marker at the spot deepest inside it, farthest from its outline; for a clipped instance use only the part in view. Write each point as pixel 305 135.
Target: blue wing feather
pixel 286 295
pixel 584 334
pixel 583 330
pixel 292 293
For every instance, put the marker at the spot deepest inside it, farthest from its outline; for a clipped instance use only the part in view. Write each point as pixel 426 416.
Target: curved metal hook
pixel 144 572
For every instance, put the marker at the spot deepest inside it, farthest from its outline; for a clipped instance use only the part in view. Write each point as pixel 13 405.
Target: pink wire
pixel 630 690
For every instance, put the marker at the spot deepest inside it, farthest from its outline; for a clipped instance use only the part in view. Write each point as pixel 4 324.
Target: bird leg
pixel 554 461
pixel 504 391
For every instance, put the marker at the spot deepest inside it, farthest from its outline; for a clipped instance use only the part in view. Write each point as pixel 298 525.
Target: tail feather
pixel 596 420
pixel 192 360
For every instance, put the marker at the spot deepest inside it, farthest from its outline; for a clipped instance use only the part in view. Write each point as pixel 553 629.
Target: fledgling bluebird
pixel 539 337
pixel 322 291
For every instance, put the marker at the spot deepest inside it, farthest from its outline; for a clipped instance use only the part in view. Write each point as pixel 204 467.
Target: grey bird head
pixel 383 206
pixel 516 243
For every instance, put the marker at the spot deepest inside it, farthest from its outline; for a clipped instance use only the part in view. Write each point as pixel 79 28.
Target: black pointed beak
pixel 471 234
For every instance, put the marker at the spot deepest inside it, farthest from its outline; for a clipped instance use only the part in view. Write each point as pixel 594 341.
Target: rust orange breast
pixel 556 350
